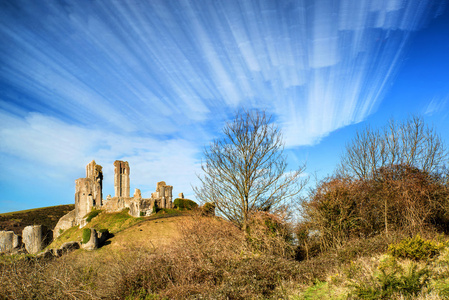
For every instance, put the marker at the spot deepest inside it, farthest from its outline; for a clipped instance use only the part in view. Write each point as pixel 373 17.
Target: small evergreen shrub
pixel 392 280
pixel 92 215
pixel 86 235
pixel 184 204
pixel 415 248
pixel 142 214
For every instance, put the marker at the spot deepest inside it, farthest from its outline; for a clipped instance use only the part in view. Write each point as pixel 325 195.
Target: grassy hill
pixel 128 231
pixel 47 216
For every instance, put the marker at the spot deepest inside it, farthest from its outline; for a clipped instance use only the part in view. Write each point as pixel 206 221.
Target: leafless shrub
pixel 397 198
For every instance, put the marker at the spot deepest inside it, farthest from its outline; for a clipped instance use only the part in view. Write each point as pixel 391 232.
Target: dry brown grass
pixel 210 259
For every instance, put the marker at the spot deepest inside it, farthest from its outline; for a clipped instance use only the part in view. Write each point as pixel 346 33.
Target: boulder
pixel 92 244
pixel 9 242
pixel 36 238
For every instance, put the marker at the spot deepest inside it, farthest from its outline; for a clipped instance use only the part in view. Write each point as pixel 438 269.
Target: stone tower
pixel 88 191
pixel 95 173
pixel 121 178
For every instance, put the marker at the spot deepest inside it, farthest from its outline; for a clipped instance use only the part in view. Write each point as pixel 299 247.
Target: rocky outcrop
pixel 9 242
pixel 67 221
pixel 36 238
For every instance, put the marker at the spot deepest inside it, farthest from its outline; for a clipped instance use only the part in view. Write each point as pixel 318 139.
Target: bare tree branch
pixel 246 170
pixel 410 143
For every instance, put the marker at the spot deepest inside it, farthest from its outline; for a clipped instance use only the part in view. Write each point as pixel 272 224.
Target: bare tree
pixel 410 143
pixel 246 170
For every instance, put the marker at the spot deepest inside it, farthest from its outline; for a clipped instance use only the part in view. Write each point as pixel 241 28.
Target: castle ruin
pixel 89 195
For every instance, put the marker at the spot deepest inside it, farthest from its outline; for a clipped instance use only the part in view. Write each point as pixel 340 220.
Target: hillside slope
pixel 47 216
pixel 129 232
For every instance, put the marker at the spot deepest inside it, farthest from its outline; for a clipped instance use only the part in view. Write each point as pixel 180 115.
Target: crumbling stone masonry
pixel 88 195
pixel 88 191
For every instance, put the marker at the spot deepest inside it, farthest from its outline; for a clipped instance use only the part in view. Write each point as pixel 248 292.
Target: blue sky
pixel 152 82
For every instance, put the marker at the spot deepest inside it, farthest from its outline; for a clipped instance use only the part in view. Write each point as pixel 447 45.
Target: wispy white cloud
pixel 436 105
pixel 152 81
pixel 51 150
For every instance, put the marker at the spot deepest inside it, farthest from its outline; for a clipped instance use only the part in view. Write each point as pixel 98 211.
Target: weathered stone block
pixel 9 242
pixel 92 244
pixel 36 238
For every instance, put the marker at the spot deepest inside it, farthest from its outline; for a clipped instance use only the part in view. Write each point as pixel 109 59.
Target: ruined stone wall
pixel 95 173
pixel 163 195
pixel 168 196
pixel 121 178
pixel 88 195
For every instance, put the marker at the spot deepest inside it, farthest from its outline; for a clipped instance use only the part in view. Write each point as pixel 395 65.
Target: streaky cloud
pixel 155 66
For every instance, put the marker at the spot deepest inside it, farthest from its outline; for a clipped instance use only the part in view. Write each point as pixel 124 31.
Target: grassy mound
pixel 184 204
pixel 114 222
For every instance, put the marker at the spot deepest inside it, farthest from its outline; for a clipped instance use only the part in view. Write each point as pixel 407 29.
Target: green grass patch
pixel 92 215
pixel 320 290
pixel 392 279
pixel 115 222
pixel 69 235
pixel 86 235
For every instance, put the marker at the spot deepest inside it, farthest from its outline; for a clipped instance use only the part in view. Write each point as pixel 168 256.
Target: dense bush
pixel 398 198
pixel 269 233
pixel 184 204
pixel 212 260
pixel 415 248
